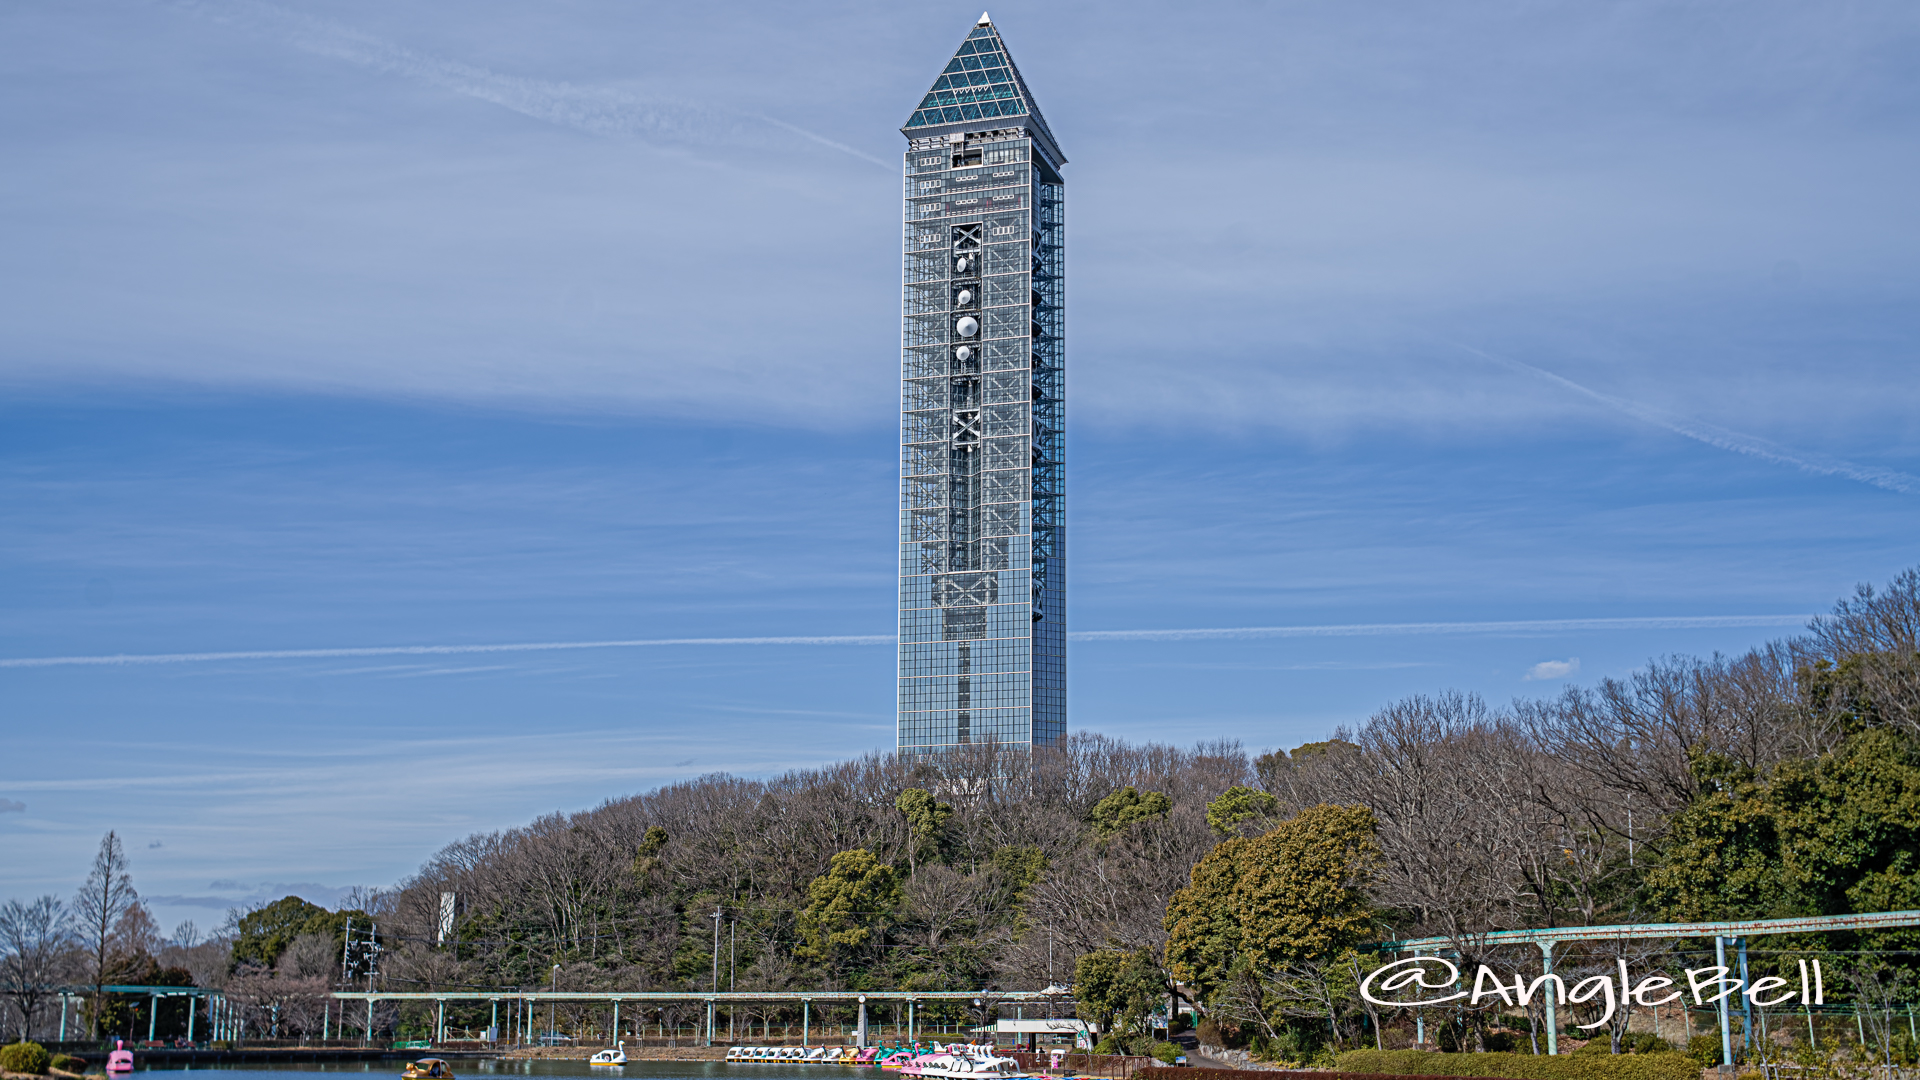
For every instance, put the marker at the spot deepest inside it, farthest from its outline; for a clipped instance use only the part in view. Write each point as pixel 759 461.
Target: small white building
pixel 1083 1034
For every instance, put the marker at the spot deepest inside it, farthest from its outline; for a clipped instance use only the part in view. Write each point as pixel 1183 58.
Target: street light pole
pixel 716 973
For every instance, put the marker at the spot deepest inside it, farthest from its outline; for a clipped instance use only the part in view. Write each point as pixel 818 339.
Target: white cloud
pixel 1553 669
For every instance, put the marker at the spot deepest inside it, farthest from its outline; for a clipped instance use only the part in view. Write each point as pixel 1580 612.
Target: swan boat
pixel 615 1056
pixel 964 1063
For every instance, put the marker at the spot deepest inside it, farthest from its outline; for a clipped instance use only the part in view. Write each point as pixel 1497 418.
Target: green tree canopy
pixel 1117 989
pixel 1240 805
pixel 266 932
pixel 926 816
pixel 646 855
pixel 1111 815
pixel 1294 894
pixel 1831 835
pixel 848 907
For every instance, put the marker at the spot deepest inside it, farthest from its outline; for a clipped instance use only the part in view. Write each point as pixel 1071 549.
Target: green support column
pixel 1726 1018
pixel 1746 1002
pixel 1549 1002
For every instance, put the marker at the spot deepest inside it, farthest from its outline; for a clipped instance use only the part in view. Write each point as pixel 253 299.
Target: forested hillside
pixel 1782 781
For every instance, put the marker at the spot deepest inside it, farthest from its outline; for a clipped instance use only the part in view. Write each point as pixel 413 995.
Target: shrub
pixel 1214 1033
pixel 1289 1045
pixel 24 1057
pixel 1704 1049
pixel 1109 1045
pixel 69 1063
pixel 1166 1051
pixel 1521 1066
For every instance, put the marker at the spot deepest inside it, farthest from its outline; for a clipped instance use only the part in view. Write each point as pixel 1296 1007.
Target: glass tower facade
pixel 983 349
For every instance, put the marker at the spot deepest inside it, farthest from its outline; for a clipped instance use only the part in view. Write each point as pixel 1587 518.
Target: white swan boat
pixel 615 1056
pixel 964 1063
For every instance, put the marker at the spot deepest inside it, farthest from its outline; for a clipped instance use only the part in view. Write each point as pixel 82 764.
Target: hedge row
pixel 1163 1073
pixel 1522 1066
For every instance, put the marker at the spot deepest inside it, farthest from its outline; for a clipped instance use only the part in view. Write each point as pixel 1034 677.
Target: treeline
pixel 1784 781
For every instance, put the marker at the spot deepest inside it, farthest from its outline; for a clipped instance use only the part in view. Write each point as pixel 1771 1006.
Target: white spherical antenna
pixel 965 297
pixel 964 353
pixel 967 327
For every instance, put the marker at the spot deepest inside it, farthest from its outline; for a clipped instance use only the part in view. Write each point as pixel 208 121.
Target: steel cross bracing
pixel 1810 924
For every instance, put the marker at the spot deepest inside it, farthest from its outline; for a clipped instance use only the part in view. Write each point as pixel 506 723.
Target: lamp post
pixel 552 1023
pixel 716 973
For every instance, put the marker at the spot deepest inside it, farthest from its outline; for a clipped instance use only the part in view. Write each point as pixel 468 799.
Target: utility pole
pixel 552 1022
pixel 733 951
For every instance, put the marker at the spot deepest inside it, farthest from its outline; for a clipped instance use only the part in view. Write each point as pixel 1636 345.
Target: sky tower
pixel 982 539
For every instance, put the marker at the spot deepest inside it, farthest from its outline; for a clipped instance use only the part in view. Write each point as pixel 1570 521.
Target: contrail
pixel 424 650
pixel 595 110
pixel 1523 626
pixel 1513 626
pixel 1722 438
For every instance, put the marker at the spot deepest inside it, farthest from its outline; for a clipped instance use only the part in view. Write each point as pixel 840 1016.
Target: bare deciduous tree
pixel 34 936
pixel 102 902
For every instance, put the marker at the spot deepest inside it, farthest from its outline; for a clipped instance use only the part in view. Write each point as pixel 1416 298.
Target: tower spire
pixel 981 89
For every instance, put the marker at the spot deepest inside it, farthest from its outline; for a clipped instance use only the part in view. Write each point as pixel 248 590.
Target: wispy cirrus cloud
pixel 595 110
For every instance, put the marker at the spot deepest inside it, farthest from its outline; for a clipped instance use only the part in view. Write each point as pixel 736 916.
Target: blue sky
pixel 1516 343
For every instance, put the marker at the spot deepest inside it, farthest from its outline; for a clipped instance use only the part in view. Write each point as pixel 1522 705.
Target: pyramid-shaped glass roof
pixel 979 83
